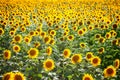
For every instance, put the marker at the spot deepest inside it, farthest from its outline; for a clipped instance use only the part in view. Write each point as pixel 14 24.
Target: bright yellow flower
pixel 110 71
pixel 7 54
pixel 33 53
pixel 76 58
pixel 66 53
pixel 48 65
pixel 87 77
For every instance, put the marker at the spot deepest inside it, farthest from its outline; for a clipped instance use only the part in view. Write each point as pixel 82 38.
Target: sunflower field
pixel 59 40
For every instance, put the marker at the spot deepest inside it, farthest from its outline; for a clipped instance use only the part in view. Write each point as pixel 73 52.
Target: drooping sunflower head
pixel 8 76
pixel 117 63
pixel 87 77
pixel 19 76
pixel 33 53
pixel 110 71
pixel 66 53
pixel 16 48
pixel 7 54
pixel 95 61
pixel 76 58
pixel 48 65
pixel 89 55
pixel 1 31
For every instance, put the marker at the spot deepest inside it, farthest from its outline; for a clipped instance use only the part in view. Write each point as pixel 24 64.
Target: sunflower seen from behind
pixel 48 65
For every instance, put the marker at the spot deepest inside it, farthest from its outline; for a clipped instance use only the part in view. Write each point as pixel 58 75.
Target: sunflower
pixel 95 61
pixel 27 39
pixel 110 71
pixel 115 42
pixel 33 53
pixel 16 48
pixel 70 37
pixel 18 76
pixel 89 56
pixel 23 29
pixel 87 77
pixel 12 33
pixel 101 50
pixel 49 51
pixel 102 40
pixel 52 41
pixel 52 32
pixel 75 28
pixel 82 45
pixel 7 54
pixel 90 28
pixel 97 36
pixel 76 58
pixel 108 35
pixel 80 32
pixel 18 38
pixel 42 34
pixel 36 44
pixel 47 39
pixel 66 53
pixel 116 63
pixel 48 65
pixel 1 31
pixel 8 76
pixel 32 33
pixel 84 29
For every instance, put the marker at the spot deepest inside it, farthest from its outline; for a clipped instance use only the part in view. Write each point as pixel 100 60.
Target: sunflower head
pixel 89 56
pixel 8 76
pixel 66 53
pixel 87 77
pixel 19 76
pixel 33 53
pixel 116 63
pixel 95 61
pixel 16 48
pixel 48 65
pixel 76 58
pixel 49 51
pixel 1 31
pixel 7 54
pixel 18 38
pixel 70 37
pixel 82 45
pixel 110 71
